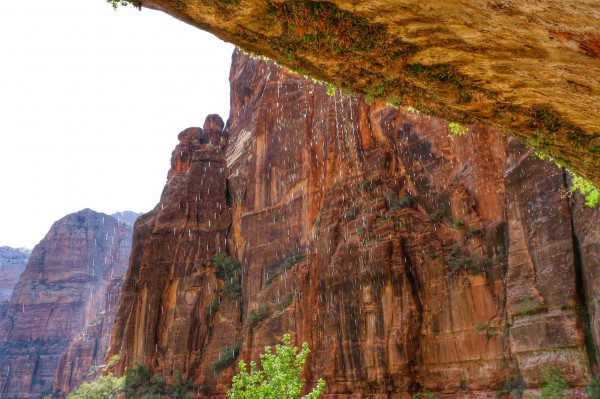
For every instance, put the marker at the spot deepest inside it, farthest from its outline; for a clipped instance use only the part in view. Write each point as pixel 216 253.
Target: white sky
pixel 91 102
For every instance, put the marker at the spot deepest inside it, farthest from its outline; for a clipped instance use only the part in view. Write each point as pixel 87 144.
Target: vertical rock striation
pixel 60 292
pixel 407 257
pixel 12 264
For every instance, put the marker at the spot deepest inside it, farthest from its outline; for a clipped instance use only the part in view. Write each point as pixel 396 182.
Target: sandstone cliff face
pixel 60 292
pixel 406 256
pixel 12 264
pixel 85 358
pixel 530 67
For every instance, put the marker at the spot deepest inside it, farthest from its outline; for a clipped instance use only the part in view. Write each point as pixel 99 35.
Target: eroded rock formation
pixel 61 291
pixel 407 257
pixel 531 67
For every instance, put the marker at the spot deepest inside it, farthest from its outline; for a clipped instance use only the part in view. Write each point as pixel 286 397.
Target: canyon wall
pixel 61 292
pixel 12 264
pixel 408 258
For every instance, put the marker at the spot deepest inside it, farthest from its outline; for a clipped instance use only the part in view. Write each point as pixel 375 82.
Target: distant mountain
pixel 67 292
pixel 12 264
pixel 127 217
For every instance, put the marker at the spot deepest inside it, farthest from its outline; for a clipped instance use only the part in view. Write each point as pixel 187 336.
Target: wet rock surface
pixel 61 291
pixel 407 257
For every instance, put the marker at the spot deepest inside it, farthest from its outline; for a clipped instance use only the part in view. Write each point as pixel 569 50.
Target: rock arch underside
pixel 531 68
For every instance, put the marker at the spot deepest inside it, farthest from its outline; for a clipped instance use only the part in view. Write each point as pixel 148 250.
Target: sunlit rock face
pixel 61 291
pixel 12 264
pixel 407 257
pixel 530 67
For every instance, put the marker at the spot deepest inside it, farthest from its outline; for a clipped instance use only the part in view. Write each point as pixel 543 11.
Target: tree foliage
pixel 279 376
pixel 103 387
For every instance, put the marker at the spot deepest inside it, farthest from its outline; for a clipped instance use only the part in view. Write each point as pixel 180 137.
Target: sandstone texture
pixel 12 264
pixel 84 359
pixel 61 291
pixel 407 257
pixel 528 67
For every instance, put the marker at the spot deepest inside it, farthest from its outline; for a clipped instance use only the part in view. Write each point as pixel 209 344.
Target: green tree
pixel 279 377
pixel 103 387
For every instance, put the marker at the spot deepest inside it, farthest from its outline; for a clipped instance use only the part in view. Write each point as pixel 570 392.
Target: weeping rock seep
pixel 530 68
pixel 407 257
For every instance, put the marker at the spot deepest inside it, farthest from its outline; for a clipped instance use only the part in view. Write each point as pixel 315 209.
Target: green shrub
pixel 512 388
pixel 407 201
pixel 472 232
pixel 257 316
pixel 213 308
pixel 287 264
pixel 593 390
pixel 556 387
pixel 232 289
pixel 117 3
pixel 226 358
pixel 484 327
pixel 141 383
pixel 458 129
pixel 226 265
pixel 103 387
pixel 587 189
pixel 437 215
pixel 280 377
pixel 426 395
pixel 457 224
pixel 472 263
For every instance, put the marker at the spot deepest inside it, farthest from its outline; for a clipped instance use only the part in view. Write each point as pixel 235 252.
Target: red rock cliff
pixel 61 291
pixel 406 256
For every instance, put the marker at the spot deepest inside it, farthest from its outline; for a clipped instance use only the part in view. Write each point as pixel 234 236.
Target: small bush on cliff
pixel 226 358
pixel 226 265
pixel 117 3
pixel 513 388
pixel 426 395
pixel 472 263
pixel 556 387
pixel 279 378
pixel 593 390
pixel 141 383
pixel 103 387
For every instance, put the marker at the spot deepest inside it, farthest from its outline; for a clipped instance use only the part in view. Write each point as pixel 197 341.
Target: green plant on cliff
pixel 141 383
pixel 279 376
pixel 225 264
pixel 226 358
pixel 593 390
pixel 458 129
pixel 103 387
pixel 117 3
pixel 426 395
pixel 512 388
pixel 556 387
pixel 587 189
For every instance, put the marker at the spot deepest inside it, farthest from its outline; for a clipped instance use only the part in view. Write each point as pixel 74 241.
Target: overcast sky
pixel 91 102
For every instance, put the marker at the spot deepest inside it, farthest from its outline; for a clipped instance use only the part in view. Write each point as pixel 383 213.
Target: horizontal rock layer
pixel 408 257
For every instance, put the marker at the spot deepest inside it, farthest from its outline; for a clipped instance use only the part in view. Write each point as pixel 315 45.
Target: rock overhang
pixel 532 69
